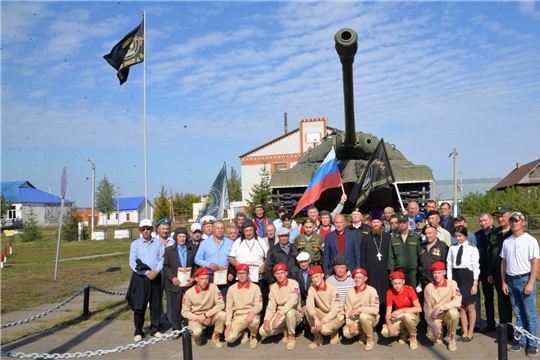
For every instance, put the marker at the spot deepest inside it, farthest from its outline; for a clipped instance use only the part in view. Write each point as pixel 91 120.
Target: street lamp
pixel 93 190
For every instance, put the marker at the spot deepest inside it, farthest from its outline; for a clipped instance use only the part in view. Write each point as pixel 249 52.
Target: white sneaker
pixel 137 338
pixel 157 334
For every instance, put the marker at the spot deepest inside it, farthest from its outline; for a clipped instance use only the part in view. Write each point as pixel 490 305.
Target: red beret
pixel 242 267
pixel 202 271
pixel 358 271
pixel 315 270
pixel 397 275
pixel 280 267
pixel 439 265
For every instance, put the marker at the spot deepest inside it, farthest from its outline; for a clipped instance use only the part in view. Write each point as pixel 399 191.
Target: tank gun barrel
pixel 346 46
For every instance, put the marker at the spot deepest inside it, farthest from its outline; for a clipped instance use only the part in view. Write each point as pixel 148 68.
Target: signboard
pixel 63 183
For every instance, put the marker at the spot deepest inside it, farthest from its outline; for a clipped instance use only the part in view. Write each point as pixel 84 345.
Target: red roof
pixel 524 175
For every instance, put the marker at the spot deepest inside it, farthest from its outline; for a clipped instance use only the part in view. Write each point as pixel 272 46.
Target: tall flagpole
pixel 144 116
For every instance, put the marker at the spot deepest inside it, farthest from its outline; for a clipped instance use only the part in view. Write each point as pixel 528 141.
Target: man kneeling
pixel 441 303
pixel 203 306
pixel 324 311
pixel 283 313
pixel 403 299
pixel 361 309
pixel 244 303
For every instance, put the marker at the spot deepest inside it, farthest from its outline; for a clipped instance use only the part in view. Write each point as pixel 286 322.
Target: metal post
pixel 187 346
pixel 502 341
pixel 93 192
pixel 86 302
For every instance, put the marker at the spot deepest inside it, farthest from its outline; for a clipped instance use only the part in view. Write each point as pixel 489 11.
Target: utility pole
pixel 118 205
pixel 455 181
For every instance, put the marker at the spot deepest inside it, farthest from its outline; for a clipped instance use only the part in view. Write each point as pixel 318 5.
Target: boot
pixel 245 338
pixel 412 342
pixel 291 342
pixel 317 341
pixel 369 343
pixel 253 342
pixel 452 346
pixel 215 340
pixel 285 337
pixel 334 338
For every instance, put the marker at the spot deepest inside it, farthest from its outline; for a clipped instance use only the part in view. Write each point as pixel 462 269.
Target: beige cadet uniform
pixel 240 302
pixel 285 300
pixel 208 302
pixel 367 301
pixel 325 302
pixel 446 296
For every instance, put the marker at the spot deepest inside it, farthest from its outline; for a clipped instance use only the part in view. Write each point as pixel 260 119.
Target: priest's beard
pixel 376 230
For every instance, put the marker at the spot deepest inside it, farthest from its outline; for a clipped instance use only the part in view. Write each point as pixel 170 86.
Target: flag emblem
pixel 376 300
pixel 458 292
pixel 295 290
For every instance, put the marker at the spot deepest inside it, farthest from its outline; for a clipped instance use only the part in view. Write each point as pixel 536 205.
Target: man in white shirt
pixel 520 260
pixel 434 218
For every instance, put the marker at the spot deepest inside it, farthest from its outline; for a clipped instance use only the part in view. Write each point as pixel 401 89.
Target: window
pixel 280 166
pixel 12 213
pixel 116 216
pixel 108 216
pixel 127 217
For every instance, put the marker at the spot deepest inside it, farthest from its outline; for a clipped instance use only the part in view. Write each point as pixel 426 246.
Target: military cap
pixel 242 267
pixel 207 219
pixel 279 267
pixel 283 231
pixel 359 271
pixel 396 275
pixel 460 218
pixel 428 226
pixel 376 214
pixel 517 216
pixel 315 270
pixel 282 209
pixel 303 256
pixel 439 265
pixel 419 217
pixel 202 271
pixel 163 221
pixel 308 221
pixel 502 209
pixel 356 209
pixel 402 217
pixel 433 212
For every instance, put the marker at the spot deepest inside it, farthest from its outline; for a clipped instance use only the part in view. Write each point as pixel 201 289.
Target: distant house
pixel 86 216
pixel 25 198
pixel 523 176
pixel 127 210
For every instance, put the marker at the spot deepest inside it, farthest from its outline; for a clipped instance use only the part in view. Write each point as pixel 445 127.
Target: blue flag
pixel 217 200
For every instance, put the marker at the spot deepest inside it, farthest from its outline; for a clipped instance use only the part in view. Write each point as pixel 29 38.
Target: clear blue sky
pixel 428 77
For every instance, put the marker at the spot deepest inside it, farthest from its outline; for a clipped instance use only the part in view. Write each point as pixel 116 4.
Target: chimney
pixel 518 165
pixel 285 123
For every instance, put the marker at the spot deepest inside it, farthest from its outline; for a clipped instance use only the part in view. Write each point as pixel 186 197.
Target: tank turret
pixel 353 150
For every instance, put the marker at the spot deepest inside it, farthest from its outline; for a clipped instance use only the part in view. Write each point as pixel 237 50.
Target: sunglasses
pixel 146 228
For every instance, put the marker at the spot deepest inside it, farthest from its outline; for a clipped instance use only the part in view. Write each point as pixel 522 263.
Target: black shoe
pixel 488 329
pixel 476 329
pixel 532 351
pixel 516 348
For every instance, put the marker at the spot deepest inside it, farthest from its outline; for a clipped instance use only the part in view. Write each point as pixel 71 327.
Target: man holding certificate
pixel 244 303
pixel 213 254
pixel 178 268
pixel 203 306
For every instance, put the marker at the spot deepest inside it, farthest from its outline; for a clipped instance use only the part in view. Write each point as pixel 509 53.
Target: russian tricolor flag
pixel 326 177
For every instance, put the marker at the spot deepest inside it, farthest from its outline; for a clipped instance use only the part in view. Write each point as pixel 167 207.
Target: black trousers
pixel 487 289
pixel 155 309
pixel 176 308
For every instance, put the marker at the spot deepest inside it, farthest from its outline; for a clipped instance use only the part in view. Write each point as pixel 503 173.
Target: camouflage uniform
pixel 314 247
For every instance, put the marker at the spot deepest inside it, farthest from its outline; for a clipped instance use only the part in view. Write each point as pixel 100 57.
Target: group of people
pixel 387 273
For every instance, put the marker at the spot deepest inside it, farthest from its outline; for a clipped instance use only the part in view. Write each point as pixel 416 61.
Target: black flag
pixel 129 51
pixel 376 174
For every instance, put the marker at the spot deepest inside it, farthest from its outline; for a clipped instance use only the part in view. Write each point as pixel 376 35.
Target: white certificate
pixel 220 276
pixel 254 272
pixel 183 275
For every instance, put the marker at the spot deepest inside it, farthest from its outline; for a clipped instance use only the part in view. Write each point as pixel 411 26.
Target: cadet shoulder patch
pixel 295 290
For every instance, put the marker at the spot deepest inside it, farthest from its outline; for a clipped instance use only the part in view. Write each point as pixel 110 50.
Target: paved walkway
pixel 94 335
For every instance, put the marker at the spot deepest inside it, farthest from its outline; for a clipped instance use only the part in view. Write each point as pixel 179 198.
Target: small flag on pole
pixel 376 174
pixel 218 198
pixel 128 52
pixel 326 177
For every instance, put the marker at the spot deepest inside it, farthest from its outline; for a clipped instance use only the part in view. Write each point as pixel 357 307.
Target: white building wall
pixel 290 144
pixel 46 214
pixel 309 130
pixel 250 176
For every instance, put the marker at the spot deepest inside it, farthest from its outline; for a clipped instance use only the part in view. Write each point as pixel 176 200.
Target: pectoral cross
pixel 379 256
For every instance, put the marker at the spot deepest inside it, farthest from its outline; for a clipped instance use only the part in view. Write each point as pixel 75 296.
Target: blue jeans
pixel 524 307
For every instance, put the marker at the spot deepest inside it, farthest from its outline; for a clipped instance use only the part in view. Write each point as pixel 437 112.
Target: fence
pixel 185 333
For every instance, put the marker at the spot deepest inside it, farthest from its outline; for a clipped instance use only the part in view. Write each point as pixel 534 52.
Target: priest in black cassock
pixel 374 259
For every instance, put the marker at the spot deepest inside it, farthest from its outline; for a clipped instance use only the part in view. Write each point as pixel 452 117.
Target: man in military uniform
pixel 310 242
pixel 441 304
pixel 431 251
pixel 207 223
pixel 324 311
pixel 404 250
pixel 203 306
pixel 502 213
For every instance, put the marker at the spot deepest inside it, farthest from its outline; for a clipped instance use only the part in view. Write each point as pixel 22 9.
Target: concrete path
pixel 94 335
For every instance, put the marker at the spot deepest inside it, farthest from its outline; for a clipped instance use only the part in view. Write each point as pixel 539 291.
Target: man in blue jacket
pixel 341 241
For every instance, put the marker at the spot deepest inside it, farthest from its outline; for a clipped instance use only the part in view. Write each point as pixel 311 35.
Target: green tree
pixel 162 205
pixel 261 193
pixel 70 229
pixel 5 206
pixel 183 204
pixel 104 197
pixel 31 229
pixel 234 186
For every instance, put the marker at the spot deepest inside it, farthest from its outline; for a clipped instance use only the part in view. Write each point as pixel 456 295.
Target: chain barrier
pixel 35 317
pixel 518 331
pixel 76 355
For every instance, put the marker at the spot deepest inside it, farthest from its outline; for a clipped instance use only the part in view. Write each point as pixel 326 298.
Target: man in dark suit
pixel 341 241
pixel 300 274
pixel 180 255
pixel 447 220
